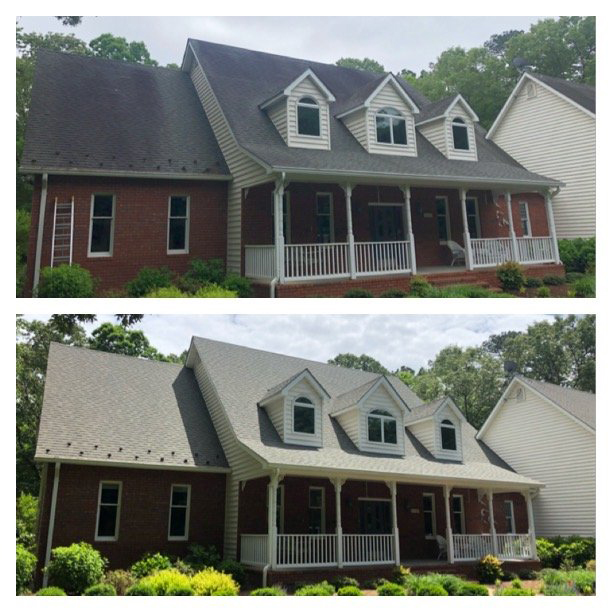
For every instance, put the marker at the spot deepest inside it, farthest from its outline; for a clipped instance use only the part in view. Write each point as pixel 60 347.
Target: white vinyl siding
pixel 307 88
pixel 303 389
pixel 471 154
pixel 425 434
pixel 540 441
pixel 357 125
pixel 276 413
pixel 381 400
pixel 349 421
pixel 448 415
pixel 435 132
pixel 278 115
pixel 550 136
pixel 244 169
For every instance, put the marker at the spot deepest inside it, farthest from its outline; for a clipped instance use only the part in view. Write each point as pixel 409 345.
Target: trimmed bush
pixel 512 591
pixel 150 563
pixel 201 557
pixel 572 550
pixel 53 591
pixel 374 583
pixel 419 286
pixel 148 280
pixel 178 590
pixel 75 567
pixel 390 589
pixel 240 285
pixel 212 582
pixel 167 292
pixel 429 589
pixel 394 293
pixel 164 580
pixel 101 589
pixel 553 280
pixel 214 291
pixel 577 255
pixel 320 589
pixel 489 569
pixel 349 591
pixel 65 282
pixel 473 588
pixel 543 292
pixel 533 281
pixel 120 580
pixel 233 569
pixel 343 581
pixel 268 592
pixel 449 582
pixel 26 564
pixel 510 276
pixel 140 589
pixel 358 293
pixel 401 575
pixel 200 273
pixel 585 287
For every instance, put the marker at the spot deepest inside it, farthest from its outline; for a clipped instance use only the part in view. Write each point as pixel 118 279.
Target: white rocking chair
pixel 442 547
pixel 457 251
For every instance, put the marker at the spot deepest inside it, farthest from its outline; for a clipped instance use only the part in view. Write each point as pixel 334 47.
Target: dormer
pixel 295 408
pixel 449 126
pixel 372 415
pixel 438 427
pixel 382 118
pixel 301 112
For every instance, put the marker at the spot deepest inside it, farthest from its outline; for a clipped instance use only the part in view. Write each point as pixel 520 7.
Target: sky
pixel 396 42
pixel 394 340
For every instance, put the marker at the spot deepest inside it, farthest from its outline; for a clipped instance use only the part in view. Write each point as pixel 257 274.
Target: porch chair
pixel 457 251
pixel 442 547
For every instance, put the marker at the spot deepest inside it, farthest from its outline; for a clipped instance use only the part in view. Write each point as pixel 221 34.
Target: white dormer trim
pixel 364 398
pixel 446 114
pixel 304 375
pixel 329 96
pixel 448 411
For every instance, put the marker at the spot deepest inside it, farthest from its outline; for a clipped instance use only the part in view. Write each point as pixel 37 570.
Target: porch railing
pixel 514 546
pixel 306 261
pixel 259 261
pixel 306 550
pixel 367 549
pixel 469 547
pixel 254 549
pixel 536 250
pixel 382 257
pixel 491 251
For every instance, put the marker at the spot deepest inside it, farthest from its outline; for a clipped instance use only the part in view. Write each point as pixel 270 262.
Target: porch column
pixel 531 524
pixel 408 228
pixel 551 226
pixel 467 241
pixel 279 238
pixel 348 192
pixel 272 528
pixel 396 547
pixel 492 522
pixel 450 552
pixel 338 488
pixel 515 253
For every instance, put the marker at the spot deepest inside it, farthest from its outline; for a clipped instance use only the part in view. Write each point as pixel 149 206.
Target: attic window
pixel 531 90
pixel 303 416
pixel 390 127
pixel 382 427
pixel 308 117
pixel 460 135
pixel 448 435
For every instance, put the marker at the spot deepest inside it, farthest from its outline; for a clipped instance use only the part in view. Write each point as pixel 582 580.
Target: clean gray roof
pixel 241 376
pixel 579 404
pixel 105 407
pixel 435 109
pixel 424 410
pixel 580 93
pixel 97 114
pixel 243 79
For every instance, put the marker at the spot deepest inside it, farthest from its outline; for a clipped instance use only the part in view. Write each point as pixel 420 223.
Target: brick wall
pixel 141 224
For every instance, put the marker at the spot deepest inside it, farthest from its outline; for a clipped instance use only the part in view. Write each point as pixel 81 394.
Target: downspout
pixel 264 575
pixel 56 474
pixel 39 234
pixel 273 283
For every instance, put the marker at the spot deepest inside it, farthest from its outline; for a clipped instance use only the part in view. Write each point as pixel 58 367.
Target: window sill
pixel 96 255
pixel 177 538
pixel 183 252
pixel 105 539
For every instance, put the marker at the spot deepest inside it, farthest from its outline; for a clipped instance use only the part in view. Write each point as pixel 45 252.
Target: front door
pixel 386 223
pixel 374 516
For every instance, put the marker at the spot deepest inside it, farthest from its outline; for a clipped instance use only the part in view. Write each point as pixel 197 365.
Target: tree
pixel 425 384
pixel 498 43
pixel 118 48
pixel 70 21
pixel 362 362
pixel 361 64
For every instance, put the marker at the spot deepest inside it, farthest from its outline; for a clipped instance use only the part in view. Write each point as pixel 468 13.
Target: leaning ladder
pixel 63 227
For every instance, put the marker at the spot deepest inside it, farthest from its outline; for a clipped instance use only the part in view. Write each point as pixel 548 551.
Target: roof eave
pixel 63 171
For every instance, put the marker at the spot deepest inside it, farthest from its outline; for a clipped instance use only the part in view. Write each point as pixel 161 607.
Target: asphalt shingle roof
pixel 581 93
pixel 111 408
pixel 424 411
pixel 96 114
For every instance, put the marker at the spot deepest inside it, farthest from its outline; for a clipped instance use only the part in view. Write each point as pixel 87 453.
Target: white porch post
pixel 396 547
pixel 492 522
pixel 467 241
pixel 350 238
pixel 338 488
pixel 551 226
pixel 515 253
pixel 408 228
pixel 279 238
pixel 531 524
pixel 272 527
pixel 450 551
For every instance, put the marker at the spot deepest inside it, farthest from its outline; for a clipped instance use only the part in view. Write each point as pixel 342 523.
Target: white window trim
pixel 512 521
pixel 382 418
pixel 463 124
pixel 448 223
pixel 379 113
pixel 477 209
pixel 298 103
pixel 454 428
pixel 332 233
pixel 312 405
pixel 187 217
pixel 187 513
pixel 322 508
pixel 453 512
pixel 114 538
pixel 431 536
pixel 112 228
pixel 527 218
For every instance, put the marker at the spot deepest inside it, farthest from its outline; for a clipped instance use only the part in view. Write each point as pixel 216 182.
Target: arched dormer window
pixel 308 117
pixel 382 427
pixel 460 135
pixel 448 435
pixel 303 416
pixel 390 127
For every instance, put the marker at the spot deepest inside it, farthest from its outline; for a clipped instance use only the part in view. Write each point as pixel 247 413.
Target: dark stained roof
pixel 242 80
pixel 435 109
pixel 580 93
pixel 104 115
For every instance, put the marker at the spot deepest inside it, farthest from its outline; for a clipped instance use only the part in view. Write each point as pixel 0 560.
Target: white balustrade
pixel 373 258
pixel 254 549
pixel 259 261
pixel 536 250
pixel 306 550
pixel 491 251
pixel 358 549
pixel 311 261
pixel 514 546
pixel 471 546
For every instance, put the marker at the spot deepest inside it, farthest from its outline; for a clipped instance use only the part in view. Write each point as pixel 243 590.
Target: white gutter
pixel 189 176
pixel 135 465
pixel 56 475
pixel 39 234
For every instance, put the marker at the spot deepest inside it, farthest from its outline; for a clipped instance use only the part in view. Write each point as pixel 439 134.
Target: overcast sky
pixel 396 42
pixel 394 340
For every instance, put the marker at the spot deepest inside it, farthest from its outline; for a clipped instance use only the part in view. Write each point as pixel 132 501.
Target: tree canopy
pixel 361 64
pixel 361 362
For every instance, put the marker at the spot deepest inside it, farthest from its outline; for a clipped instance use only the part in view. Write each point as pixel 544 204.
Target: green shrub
pixel 75 567
pixel 150 563
pixel 590 565
pixel 26 564
pixel 473 588
pixel 148 280
pixel 121 580
pixel 239 285
pixel 543 292
pixel 516 583
pixel 554 280
pixel 200 273
pixel 533 281
pixel 141 589
pixel 167 292
pixel 510 276
pixel 53 591
pixel 489 569
pixel 583 580
pixel 401 575
pixel 572 277
pixel 374 583
pixel 214 291
pixel 101 589
pixel 585 287
pixel 212 582
pixel 358 293
pixel 26 515
pixel 343 581
pixel 233 569
pixel 182 566
pixel 391 589
pixel 512 591
pixel 65 282
pixel 394 293
pixel 430 589
pixel 449 582
pixel 548 554
pixel 180 590
pixel 569 551
pixel 320 589
pixel 419 286
pixel 349 591
pixel 268 592
pixel 201 557
pixel 163 580
pixel 556 590
pixel 527 574
pixel 577 255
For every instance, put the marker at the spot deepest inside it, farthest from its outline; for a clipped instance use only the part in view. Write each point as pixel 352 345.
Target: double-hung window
pixel 390 127
pixel 178 523
pixel 460 135
pixel 382 427
pixel 325 218
pixel 509 516
pixel 109 503
pixel 443 219
pixel 303 416
pixel 178 224
pixel 458 514
pixel 448 435
pixel 429 514
pixel 308 117
pixel 525 220
pixel 316 510
pixel 101 225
